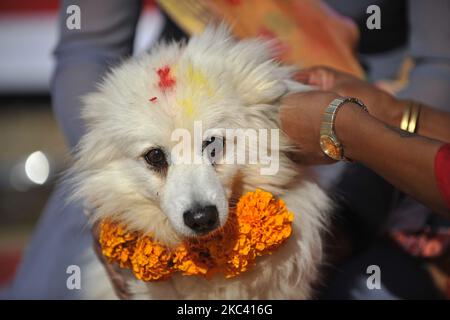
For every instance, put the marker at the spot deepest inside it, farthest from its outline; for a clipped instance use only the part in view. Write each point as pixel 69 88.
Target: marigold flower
pixel 259 224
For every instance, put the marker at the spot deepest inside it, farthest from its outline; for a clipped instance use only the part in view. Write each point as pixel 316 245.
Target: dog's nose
pixel 202 220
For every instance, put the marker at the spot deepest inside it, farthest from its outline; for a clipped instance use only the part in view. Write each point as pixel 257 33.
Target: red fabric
pixel 442 172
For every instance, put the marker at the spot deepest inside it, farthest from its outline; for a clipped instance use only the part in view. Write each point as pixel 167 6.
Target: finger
pixel 305 74
pixel 320 76
pixel 323 78
pixel 302 77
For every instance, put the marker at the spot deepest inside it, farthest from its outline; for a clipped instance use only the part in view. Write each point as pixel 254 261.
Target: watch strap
pixel 327 127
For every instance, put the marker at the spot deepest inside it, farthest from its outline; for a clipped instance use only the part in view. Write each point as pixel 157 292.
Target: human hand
pixel 380 104
pixel 301 116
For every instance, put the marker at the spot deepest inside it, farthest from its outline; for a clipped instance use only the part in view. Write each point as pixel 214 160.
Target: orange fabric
pixel 307 32
pixel 304 32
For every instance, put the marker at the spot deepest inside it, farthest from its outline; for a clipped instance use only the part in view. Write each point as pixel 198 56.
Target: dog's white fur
pixel 243 89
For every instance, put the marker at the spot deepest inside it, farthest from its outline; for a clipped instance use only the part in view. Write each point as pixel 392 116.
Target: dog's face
pixel 158 136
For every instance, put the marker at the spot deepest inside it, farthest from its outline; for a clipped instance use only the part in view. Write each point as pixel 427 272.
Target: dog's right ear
pixel 257 76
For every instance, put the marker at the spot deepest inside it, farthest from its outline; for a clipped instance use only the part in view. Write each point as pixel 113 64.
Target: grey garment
pixel 62 237
pixel 83 56
pixel 429 46
pixel 428 43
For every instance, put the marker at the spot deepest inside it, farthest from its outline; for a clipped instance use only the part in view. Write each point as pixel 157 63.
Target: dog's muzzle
pixel 202 219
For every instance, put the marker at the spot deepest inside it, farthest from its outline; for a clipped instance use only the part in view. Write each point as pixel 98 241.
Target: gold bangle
pixel 414 117
pixel 405 119
pixel 410 117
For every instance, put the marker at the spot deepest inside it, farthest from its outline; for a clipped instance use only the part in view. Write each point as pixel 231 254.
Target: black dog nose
pixel 202 220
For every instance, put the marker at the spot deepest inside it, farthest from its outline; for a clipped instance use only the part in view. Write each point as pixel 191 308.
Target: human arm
pixel 432 122
pixel 405 160
pixel 83 56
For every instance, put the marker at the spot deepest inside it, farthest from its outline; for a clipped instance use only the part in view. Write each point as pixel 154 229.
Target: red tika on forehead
pixel 153 99
pixel 166 81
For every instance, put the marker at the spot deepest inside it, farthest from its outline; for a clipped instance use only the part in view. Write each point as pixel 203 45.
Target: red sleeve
pixel 442 172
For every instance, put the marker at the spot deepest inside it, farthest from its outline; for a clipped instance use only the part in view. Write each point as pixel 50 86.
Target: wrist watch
pixel 329 142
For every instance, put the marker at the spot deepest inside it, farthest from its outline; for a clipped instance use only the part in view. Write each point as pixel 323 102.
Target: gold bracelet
pixel 405 119
pixel 410 117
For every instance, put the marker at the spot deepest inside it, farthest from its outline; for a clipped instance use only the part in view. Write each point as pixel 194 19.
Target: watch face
pixel 330 148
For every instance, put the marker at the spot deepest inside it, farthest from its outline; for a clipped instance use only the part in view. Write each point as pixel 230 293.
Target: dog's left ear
pixel 256 76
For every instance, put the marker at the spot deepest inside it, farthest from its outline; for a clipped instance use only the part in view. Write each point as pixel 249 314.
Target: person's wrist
pixel 349 119
pixel 381 105
pixel 396 109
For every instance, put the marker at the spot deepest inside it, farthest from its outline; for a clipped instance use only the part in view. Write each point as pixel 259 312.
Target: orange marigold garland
pixel 258 226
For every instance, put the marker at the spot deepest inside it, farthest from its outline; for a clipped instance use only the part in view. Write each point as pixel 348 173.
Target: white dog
pixel 125 165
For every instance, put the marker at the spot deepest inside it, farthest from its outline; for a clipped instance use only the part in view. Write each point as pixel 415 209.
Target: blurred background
pixel 33 151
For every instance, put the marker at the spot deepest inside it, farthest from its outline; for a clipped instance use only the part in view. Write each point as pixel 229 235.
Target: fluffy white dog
pixel 126 166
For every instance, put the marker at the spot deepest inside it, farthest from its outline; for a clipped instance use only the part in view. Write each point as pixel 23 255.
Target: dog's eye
pixel 156 158
pixel 214 147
